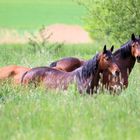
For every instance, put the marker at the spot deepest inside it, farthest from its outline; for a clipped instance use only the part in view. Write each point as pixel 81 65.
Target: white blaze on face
pixel 113 69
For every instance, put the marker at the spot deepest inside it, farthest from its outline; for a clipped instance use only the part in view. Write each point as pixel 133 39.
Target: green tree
pixel 114 19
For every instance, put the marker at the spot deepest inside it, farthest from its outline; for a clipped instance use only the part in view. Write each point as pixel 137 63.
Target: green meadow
pixel 42 114
pixel 28 113
pixel 33 14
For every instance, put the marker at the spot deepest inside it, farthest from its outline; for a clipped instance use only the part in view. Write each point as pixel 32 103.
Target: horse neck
pixel 87 75
pixel 85 81
pixel 124 58
pixel 90 67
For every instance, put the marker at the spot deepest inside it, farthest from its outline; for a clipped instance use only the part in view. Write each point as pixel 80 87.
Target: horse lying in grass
pixel 125 58
pixel 86 77
pixel 13 73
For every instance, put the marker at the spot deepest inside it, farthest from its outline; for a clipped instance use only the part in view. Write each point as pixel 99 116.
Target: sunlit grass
pixel 29 113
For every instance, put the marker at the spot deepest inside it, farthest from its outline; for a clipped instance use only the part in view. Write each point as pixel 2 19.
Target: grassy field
pixel 40 114
pixel 32 14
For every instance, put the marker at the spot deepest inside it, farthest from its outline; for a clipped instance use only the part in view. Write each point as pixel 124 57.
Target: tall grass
pixel 28 113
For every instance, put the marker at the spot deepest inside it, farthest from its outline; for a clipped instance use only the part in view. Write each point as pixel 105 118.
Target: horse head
pixel 107 61
pixel 135 47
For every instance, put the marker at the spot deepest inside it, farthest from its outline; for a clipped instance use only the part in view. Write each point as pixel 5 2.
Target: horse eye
pixel 107 58
pixel 133 45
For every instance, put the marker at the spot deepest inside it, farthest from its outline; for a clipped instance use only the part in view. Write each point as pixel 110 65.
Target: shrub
pixel 114 19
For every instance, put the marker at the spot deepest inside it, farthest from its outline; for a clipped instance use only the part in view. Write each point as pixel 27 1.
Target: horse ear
pixel 112 48
pixel 133 37
pixel 104 50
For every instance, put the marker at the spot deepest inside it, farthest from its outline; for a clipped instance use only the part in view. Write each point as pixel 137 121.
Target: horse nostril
pixel 117 73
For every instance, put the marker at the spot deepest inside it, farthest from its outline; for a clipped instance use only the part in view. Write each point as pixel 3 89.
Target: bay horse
pixel 12 72
pixel 67 64
pixel 125 58
pixel 86 77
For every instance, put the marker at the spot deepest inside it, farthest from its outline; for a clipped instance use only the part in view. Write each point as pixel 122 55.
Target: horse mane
pixel 89 68
pixel 124 50
pixel 53 64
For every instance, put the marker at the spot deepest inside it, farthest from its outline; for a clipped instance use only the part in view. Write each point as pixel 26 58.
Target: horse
pixel 67 64
pixel 12 72
pixel 15 72
pixel 86 77
pixel 125 58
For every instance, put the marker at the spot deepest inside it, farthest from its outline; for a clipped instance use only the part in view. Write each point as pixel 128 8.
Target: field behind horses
pixel 31 15
pixel 38 114
pixel 42 114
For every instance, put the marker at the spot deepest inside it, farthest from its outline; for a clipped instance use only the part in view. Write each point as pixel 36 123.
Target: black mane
pixel 124 50
pixel 89 68
pixel 53 64
pixel 86 74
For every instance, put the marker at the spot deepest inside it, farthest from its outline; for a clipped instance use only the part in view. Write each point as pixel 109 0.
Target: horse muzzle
pixel 114 70
pixel 115 73
pixel 138 59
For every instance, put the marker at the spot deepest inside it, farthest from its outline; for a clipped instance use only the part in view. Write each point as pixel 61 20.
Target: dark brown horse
pixel 86 77
pixel 125 58
pixel 67 64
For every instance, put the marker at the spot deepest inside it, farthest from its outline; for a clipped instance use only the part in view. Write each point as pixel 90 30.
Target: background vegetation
pixel 32 14
pixel 57 115
pixel 114 20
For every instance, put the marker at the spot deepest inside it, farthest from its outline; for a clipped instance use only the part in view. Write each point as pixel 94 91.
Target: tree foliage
pixel 115 19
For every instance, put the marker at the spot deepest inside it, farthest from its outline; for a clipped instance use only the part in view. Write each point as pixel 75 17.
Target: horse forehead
pixel 137 41
pixel 108 54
